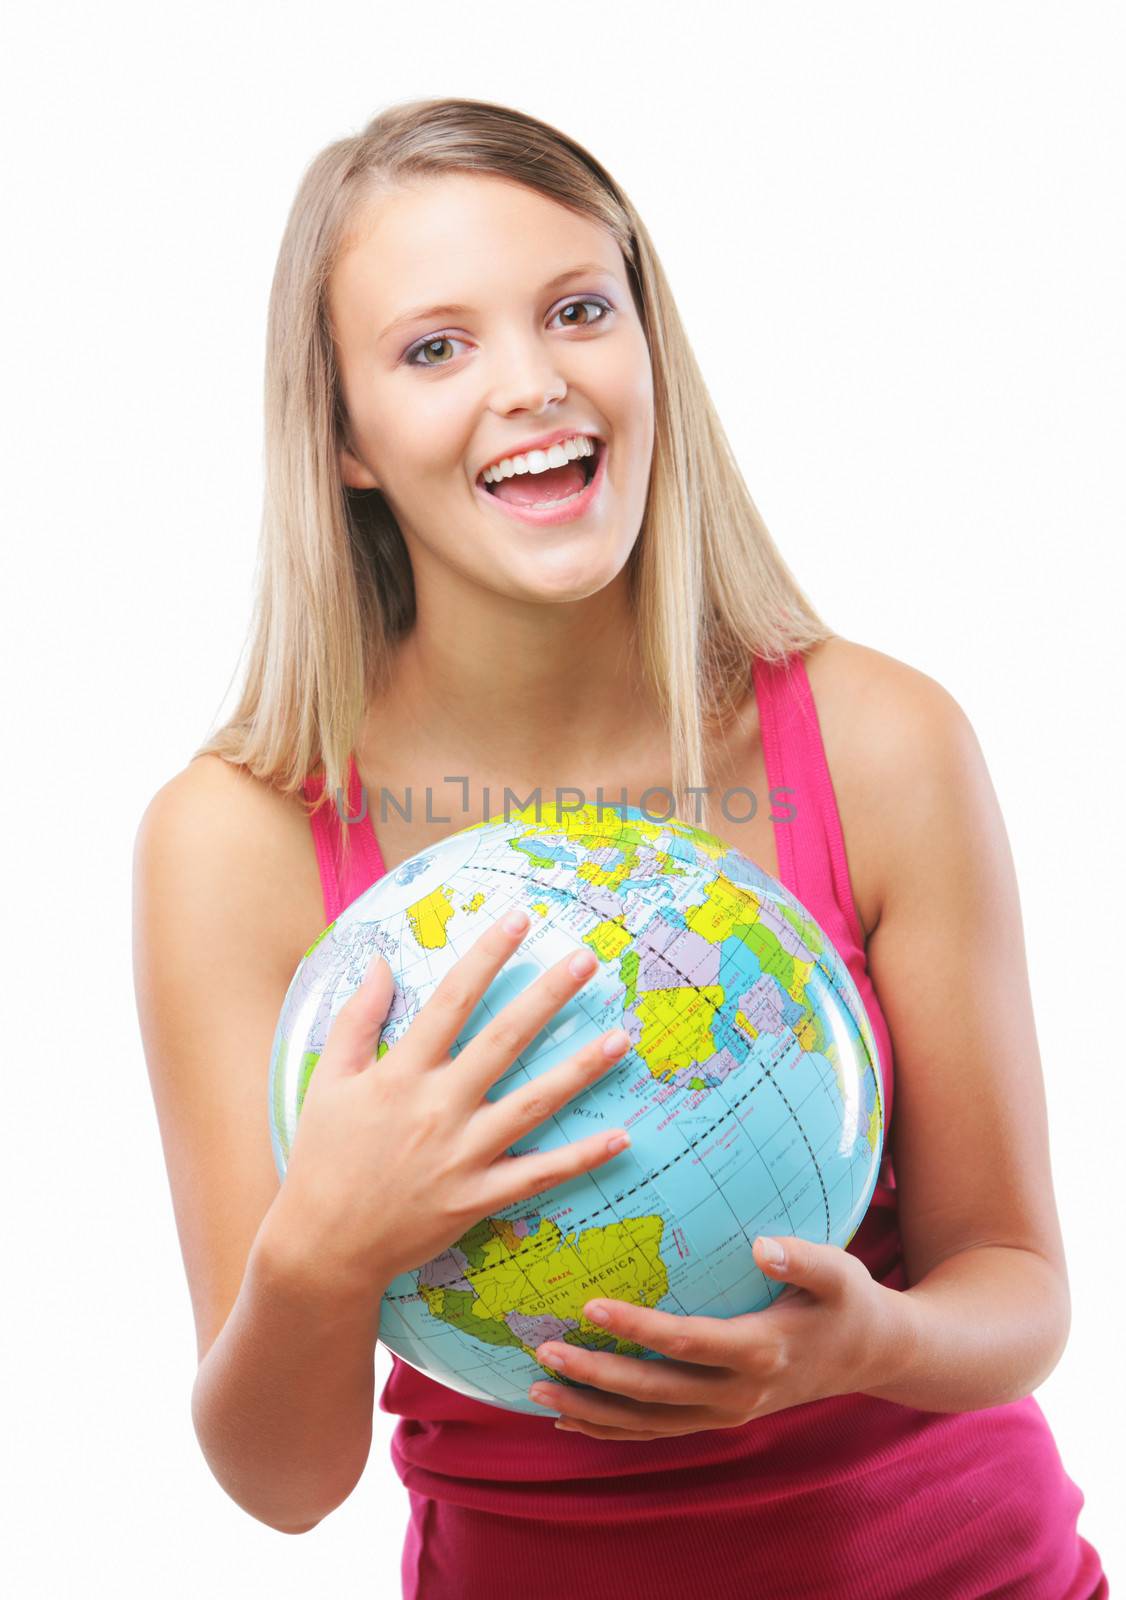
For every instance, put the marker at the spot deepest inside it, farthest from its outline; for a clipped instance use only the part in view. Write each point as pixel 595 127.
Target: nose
pixel 528 379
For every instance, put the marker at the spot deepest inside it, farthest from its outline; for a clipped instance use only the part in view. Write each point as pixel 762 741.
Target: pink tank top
pixel 849 1498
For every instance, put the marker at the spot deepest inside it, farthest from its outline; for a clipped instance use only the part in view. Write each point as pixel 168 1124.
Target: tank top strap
pixel 811 851
pixel 342 881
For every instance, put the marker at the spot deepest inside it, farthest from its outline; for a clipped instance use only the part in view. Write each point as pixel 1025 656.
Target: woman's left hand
pixel 833 1331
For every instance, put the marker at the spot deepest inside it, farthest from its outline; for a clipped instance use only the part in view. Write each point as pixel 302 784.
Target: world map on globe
pixel 752 1089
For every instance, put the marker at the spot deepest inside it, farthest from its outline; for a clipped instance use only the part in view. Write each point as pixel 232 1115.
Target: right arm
pixel 387 1169
pixel 225 891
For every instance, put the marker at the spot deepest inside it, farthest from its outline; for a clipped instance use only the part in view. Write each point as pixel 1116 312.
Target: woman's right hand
pixel 392 1161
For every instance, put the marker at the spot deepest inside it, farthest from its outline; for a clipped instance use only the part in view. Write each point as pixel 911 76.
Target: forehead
pixel 460 237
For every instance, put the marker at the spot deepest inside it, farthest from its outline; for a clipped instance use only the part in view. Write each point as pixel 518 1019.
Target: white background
pixel 896 235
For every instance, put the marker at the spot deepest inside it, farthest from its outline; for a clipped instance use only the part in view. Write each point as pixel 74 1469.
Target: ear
pixel 353 472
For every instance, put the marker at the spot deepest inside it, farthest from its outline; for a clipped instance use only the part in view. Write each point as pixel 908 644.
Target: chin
pixel 568 575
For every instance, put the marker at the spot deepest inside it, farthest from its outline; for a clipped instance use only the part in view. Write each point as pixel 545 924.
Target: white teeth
pixel 557 455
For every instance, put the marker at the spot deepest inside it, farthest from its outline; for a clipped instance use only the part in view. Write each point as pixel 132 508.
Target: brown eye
pixel 429 348
pixel 587 320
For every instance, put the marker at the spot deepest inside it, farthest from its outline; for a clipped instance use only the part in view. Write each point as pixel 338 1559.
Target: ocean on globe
pixel 752 1090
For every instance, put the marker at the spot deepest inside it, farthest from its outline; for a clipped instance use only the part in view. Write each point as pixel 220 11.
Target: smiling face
pixel 535 333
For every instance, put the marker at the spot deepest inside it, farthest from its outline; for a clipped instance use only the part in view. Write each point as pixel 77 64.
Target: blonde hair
pixel 334 585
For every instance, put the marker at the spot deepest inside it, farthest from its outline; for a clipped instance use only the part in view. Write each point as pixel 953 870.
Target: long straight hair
pixel 334 584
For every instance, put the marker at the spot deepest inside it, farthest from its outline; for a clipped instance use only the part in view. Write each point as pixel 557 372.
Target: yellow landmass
pixel 744 1022
pixel 608 938
pixel 428 918
pixel 726 907
pixel 676 1027
pixel 875 1122
pixel 550 1275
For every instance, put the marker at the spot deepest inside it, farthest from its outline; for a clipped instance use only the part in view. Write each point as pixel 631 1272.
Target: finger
pixel 651 1382
pixel 354 1035
pixel 824 1269
pixel 500 1123
pixel 488 1055
pixel 444 1015
pixel 708 1341
pixel 512 1178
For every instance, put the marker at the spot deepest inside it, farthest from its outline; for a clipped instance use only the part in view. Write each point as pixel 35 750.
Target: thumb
pixel 359 1022
pixel 820 1268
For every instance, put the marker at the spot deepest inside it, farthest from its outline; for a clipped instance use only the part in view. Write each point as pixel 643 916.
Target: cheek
pixel 427 453
pixel 633 385
pixel 413 463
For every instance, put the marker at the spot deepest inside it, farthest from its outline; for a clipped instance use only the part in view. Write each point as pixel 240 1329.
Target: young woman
pixel 460 286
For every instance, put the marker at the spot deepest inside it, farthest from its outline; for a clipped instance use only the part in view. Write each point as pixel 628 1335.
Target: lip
pixel 570 511
pixel 544 442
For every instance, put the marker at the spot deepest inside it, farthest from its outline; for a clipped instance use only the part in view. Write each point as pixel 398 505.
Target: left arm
pixel 987 1314
pixel 984 1327
pixel 989 1304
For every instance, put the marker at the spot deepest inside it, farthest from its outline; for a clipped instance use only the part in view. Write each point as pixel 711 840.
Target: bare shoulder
pixel 220 821
pixel 891 733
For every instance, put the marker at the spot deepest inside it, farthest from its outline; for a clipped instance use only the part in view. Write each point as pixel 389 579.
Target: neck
pixel 521 689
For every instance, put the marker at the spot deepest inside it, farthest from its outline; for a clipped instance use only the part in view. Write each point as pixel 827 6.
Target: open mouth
pixel 559 496
pixel 544 480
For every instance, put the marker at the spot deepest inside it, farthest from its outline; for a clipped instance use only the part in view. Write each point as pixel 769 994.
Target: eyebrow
pixel 453 310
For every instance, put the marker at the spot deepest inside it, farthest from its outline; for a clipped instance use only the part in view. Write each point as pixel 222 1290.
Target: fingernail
pixel 771 1250
pixel 597 1312
pixel 615 1042
pixel 516 922
pixel 583 964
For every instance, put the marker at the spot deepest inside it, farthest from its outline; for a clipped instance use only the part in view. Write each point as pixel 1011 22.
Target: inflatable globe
pixel 752 1089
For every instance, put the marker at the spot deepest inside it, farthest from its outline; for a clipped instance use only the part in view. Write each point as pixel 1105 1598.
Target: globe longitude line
pixel 720 1193
pixel 794 1118
pixel 729 1111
